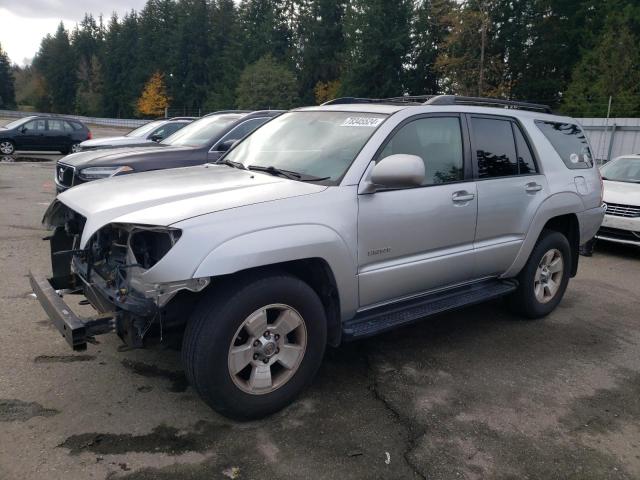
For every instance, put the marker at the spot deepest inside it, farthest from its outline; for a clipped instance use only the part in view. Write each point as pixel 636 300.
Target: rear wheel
pixel 73 148
pixel 7 147
pixel 250 349
pixel 543 280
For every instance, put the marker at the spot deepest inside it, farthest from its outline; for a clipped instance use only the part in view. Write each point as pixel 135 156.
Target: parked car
pixel 202 141
pixel 621 223
pixel 43 133
pixel 145 135
pixel 327 224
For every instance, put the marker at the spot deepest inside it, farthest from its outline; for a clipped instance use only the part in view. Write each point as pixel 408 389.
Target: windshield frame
pixel 327 182
pixel 614 162
pixel 154 124
pixel 236 117
pixel 18 122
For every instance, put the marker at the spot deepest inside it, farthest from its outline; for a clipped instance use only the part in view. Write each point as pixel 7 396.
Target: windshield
pixel 145 130
pixel 315 143
pixel 201 132
pixel 622 170
pixel 17 123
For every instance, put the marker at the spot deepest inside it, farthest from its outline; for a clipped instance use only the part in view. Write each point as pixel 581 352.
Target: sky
pixel 25 22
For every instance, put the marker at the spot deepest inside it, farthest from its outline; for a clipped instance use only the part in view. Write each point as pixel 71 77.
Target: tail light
pixel 90 136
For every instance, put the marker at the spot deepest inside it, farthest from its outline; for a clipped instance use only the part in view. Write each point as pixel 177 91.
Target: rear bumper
pixel 590 221
pixel 74 329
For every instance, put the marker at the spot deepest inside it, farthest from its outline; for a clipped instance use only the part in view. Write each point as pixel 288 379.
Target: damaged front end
pixel 109 270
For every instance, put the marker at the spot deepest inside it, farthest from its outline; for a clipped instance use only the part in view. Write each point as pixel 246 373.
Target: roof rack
pixel 445 100
pixel 486 102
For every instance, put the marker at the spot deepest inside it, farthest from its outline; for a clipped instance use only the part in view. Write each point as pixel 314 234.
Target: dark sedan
pixel 155 131
pixel 43 133
pixel 202 141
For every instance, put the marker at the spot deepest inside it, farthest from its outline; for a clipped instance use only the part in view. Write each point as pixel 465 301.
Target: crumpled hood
pixel 622 193
pixel 169 196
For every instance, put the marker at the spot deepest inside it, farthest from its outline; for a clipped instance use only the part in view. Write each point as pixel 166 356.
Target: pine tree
pixel 7 82
pixel 89 96
pixel 431 24
pixel 378 47
pixel 224 64
pixel 612 68
pixel 267 84
pixel 56 62
pixel 153 99
pixel 265 30
pixel 321 46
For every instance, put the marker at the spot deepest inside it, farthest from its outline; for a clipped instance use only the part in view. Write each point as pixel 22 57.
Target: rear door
pixel 57 137
pixel 510 190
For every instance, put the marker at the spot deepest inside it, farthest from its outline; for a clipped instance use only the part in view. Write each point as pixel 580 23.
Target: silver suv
pixel 327 224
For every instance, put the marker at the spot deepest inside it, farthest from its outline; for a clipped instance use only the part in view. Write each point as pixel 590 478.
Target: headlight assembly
pixel 150 244
pixel 96 173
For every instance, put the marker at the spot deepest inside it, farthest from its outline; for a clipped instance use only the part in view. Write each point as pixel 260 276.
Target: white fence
pixel 109 122
pixel 613 137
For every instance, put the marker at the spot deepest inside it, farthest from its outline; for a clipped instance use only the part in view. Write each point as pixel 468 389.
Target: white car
pixel 621 178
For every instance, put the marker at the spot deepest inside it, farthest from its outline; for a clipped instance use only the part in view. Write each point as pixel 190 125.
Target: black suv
pixel 43 133
pixel 202 141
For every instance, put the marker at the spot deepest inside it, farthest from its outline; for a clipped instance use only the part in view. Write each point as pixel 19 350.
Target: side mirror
pixel 23 130
pixel 396 171
pixel 156 138
pixel 226 146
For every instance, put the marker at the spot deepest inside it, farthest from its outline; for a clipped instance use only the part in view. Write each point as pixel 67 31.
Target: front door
pixel 415 240
pixel 510 190
pixel 32 136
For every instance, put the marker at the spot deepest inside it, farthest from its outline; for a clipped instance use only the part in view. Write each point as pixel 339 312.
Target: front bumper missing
pixel 76 330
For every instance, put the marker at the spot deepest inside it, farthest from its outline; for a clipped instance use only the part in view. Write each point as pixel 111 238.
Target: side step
pixel 372 322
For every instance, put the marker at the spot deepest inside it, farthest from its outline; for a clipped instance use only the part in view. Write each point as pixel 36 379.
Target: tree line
pixel 215 54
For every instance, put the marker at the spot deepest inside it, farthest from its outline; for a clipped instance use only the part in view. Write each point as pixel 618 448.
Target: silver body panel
pixel 380 246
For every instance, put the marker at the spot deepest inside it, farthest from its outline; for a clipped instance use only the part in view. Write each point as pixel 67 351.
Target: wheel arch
pixel 558 213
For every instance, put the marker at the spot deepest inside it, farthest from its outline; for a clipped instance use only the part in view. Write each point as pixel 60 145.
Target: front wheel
pixel 249 350
pixel 7 147
pixel 544 278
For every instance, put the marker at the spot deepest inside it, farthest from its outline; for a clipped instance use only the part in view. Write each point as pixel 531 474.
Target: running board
pixel 372 322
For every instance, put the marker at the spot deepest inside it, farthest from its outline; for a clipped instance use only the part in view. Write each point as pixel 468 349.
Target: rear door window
pixel 494 147
pixel 569 142
pixel 56 125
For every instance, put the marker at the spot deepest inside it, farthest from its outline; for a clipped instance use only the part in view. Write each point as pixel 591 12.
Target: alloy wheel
pixel 548 276
pixel 75 148
pixel 6 148
pixel 267 349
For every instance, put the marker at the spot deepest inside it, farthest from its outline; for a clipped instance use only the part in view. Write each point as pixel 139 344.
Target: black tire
pixel 524 301
pixel 214 324
pixel 9 144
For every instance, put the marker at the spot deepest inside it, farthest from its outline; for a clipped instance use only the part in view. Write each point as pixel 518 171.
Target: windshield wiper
pixel 300 177
pixel 231 163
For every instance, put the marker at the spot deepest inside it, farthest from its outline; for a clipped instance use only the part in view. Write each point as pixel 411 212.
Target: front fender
pixel 284 244
pixel 556 205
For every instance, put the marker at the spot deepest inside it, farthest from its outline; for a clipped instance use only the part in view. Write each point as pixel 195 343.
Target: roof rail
pixel 183 118
pixel 486 102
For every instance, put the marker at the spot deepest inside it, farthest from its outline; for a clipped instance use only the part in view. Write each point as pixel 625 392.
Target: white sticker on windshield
pixel 371 122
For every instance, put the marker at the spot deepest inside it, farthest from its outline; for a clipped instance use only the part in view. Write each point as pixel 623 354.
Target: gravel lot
pixel 475 394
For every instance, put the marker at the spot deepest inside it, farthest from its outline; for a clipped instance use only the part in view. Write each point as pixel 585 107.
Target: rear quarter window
pixel 569 142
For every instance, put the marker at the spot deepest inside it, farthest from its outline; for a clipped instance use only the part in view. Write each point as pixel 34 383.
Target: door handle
pixel 462 196
pixel 533 187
